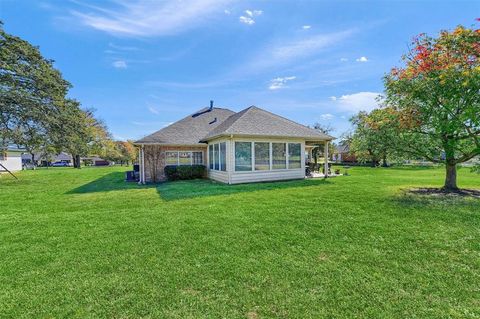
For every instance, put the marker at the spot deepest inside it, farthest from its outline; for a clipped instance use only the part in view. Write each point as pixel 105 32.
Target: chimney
pixel 211 105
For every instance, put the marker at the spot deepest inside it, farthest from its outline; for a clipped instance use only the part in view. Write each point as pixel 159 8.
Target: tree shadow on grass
pixel 434 198
pixel 110 182
pixel 170 191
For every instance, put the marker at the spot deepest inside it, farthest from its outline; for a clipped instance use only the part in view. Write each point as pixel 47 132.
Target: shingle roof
pixel 189 130
pixel 254 121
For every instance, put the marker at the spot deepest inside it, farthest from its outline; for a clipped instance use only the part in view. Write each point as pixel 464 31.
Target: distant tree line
pixel 36 113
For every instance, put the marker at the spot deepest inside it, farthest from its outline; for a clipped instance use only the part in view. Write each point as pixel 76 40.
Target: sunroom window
pixel 243 156
pixel 279 156
pixel 262 156
pixel 294 155
pixel 223 156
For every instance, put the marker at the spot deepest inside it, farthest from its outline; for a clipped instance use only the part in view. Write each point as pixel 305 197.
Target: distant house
pixel 252 145
pixel 342 154
pixel 42 159
pixel 11 158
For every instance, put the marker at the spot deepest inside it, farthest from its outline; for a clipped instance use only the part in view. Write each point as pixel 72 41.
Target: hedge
pixel 174 172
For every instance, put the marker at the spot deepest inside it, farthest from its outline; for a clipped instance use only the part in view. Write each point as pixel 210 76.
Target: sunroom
pixel 244 160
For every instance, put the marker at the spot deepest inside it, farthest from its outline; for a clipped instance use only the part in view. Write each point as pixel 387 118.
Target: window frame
pixel 288 155
pixel 252 143
pixel 178 158
pixel 269 144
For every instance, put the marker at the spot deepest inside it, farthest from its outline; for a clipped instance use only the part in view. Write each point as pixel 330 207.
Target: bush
pixel 173 172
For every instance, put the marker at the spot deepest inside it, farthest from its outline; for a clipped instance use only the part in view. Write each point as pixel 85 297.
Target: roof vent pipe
pixel 211 105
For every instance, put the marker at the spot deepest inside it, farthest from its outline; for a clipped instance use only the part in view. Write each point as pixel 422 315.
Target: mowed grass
pixel 85 244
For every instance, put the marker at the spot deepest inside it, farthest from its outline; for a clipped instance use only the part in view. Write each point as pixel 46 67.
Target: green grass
pixel 86 244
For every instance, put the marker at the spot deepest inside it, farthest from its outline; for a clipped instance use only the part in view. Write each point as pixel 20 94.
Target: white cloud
pixel 153 110
pixel 246 20
pixel 227 12
pixel 327 116
pixel 149 18
pixel 252 13
pixel 280 82
pixel 362 59
pixel 248 17
pixel 306 27
pixel 343 59
pixel 353 103
pixel 119 64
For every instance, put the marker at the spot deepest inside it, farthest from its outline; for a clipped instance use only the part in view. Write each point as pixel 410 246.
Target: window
pixel 223 156
pixel 243 156
pixel 197 158
pixel 218 156
pixel 215 155
pixel 171 158
pixel 210 156
pixel 185 158
pixel 279 156
pixel 294 155
pixel 262 156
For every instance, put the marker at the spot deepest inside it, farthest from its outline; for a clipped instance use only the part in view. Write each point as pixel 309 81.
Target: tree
pixel 31 93
pixel 436 95
pixel 375 137
pixel 80 133
pixel 127 151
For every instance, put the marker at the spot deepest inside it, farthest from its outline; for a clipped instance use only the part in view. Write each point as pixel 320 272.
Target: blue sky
pixel 145 64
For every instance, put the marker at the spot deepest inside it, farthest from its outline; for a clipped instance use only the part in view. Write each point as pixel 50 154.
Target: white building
pixel 11 158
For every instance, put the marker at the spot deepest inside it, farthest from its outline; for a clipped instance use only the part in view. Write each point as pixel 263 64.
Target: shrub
pixel 173 172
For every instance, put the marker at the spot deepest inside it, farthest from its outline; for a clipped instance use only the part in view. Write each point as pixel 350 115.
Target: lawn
pixel 82 243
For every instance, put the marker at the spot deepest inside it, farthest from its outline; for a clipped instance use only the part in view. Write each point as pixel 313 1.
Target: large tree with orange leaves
pixel 436 95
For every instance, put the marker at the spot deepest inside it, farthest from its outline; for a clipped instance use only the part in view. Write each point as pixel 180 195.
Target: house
pixel 342 154
pixel 11 158
pixel 42 159
pixel 253 145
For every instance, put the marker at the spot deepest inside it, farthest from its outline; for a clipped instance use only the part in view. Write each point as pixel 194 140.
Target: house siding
pixel 155 161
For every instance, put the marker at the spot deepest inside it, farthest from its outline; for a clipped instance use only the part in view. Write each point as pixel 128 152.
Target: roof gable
pixel 254 121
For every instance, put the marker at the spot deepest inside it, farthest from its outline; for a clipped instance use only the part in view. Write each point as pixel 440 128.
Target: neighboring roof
pixel 62 156
pixel 189 130
pixel 254 121
pixel 342 148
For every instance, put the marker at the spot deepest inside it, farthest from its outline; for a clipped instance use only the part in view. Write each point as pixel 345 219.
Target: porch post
pixel 326 159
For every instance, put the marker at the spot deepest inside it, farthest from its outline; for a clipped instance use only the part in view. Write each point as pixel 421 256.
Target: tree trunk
pixel 77 160
pixel 384 160
pixel 33 160
pixel 451 177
